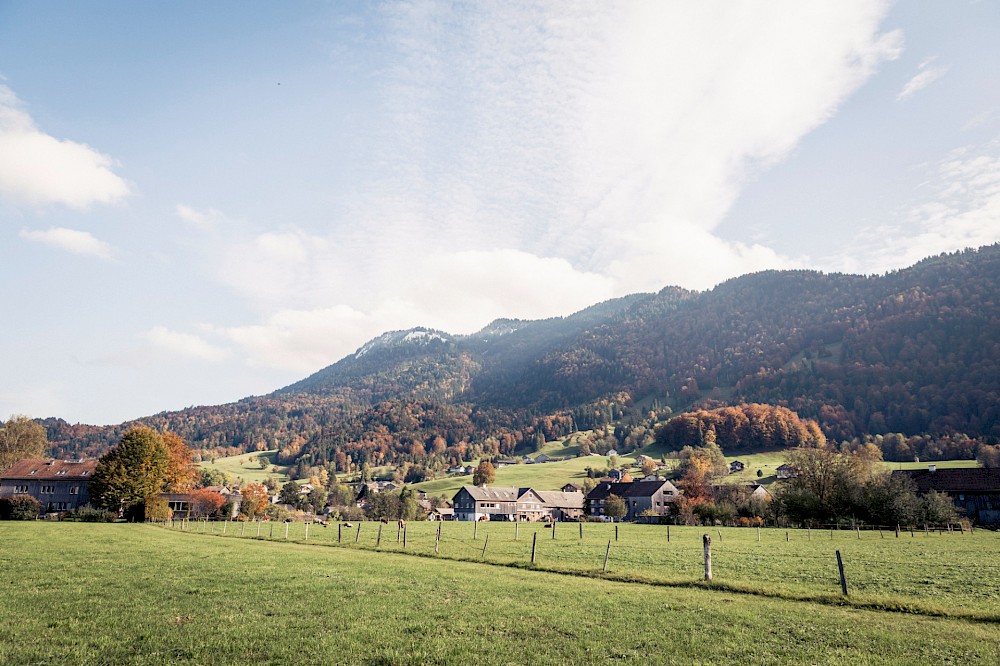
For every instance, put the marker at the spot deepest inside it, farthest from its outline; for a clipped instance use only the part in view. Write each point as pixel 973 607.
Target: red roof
pixel 50 469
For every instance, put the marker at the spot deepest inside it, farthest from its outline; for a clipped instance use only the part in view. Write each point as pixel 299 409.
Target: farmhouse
pixel 736 466
pixel 657 496
pixel 975 491
pixel 59 485
pixel 786 471
pixel 521 504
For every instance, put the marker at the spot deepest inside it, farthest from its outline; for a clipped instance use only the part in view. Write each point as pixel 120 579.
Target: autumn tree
pixel 20 438
pixel 485 474
pixel 206 502
pixel 614 507
pixel 648 466
pixel 131 473
pixel 255 500
pixel 182 475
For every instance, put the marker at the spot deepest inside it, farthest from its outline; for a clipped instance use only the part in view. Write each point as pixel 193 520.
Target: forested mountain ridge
pixel 913 351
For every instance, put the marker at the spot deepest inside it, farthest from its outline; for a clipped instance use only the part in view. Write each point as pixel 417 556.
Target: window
pixel 85 472
pixel 21 489
pixel 33 472
pixel 48 490
pixel 74 490
pixel 61 472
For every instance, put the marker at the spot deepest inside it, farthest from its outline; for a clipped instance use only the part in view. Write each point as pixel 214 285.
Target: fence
pixel 921 565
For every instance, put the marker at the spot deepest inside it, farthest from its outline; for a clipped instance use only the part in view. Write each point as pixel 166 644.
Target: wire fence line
pixel 950 569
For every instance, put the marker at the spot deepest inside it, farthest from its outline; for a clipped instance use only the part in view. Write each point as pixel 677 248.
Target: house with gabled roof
pixel 59 485
pixel 516 504
pixel 657 495
pixel 976 491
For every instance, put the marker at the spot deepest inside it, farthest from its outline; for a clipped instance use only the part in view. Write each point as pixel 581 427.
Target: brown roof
pixel 50 469
pixel 969 480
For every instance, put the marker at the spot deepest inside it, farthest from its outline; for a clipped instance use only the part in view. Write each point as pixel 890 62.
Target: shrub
pixel 89 514
pixel 22 507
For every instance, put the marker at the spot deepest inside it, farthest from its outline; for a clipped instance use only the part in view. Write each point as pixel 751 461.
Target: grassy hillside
pixel 196 599
pixel 245 467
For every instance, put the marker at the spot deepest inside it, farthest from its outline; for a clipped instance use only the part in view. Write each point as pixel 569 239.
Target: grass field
pixel 139 594
pixel 245 467
pixel 955 574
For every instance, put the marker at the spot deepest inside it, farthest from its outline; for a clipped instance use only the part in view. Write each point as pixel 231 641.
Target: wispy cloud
pixel 960 209
pixel 71 240
pixel 923 78
pixel 531 159
pixel 185 345
pixel 37 169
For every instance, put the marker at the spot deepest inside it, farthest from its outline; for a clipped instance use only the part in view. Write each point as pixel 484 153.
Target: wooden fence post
pixel 258 528
pixel 843 579
pixel 809 534
pixel 553 530
pixel 399 529
pixel 271 535
pixel 897 530
pixel 534 546
pixel 859 533
pixel 378 539
pixel 616 533
pixel 286 532
pixel 243 527
pixel 720 535
pixel 225 526
pixel 758 534
pixel 581 529
pixel 404 537
pixel 486 543
pixel 475 531
pixel 437 539
pixel 340 527
pixel 707 542
pixel 307 531
pixel 606 554
pixel 786 536
pixel 517 524
pixel 357 536
pixel 668 533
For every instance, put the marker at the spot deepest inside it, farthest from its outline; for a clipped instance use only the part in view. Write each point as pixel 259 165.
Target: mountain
pixel 915 351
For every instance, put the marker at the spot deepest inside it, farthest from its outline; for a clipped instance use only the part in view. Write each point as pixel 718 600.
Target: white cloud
pixel 71 240
pixel 600 145
pixel 203 219
pixel 185 345
pixel 923 78
pixel 36 168
pixel 960 209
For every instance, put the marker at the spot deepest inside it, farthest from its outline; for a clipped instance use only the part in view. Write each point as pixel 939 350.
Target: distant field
pixel 137 594
pixel 541 476
pixel 245 467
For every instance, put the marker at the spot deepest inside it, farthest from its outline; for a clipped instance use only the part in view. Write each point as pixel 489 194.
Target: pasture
pixel 935 572
pixel 245 467
pixel 140 594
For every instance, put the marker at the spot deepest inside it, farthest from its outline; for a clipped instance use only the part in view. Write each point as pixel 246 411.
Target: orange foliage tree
pixel 206 502
pixel 181 475
pixel 255 500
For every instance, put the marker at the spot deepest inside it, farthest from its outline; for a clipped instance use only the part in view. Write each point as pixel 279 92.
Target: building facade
pixel 59 485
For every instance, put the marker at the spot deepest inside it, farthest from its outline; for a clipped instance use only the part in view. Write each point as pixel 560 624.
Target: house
pixel 759 492
pixel 59 485
pixel 658 496
pixel 786 471
pixel 469 469
pixel 544 458
pixel 736 466
pixel 571 488
pixel 976 491
pixel 612 452
pixel 456 469
pixel 182 504
pixel 616 475
pixel 442 513
pixel 516 504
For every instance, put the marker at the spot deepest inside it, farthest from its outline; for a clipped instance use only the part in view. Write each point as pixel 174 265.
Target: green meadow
pixel 245 467
pixel 140 594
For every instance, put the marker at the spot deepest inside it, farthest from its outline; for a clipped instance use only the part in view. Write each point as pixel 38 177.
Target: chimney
pixel 932 468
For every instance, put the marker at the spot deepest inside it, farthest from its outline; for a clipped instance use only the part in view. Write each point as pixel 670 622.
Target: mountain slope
pixel 914 351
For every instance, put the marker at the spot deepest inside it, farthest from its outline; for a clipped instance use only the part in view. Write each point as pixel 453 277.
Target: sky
pixel 205 201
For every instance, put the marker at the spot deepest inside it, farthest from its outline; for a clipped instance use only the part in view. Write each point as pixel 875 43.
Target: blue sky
pixel 204 201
